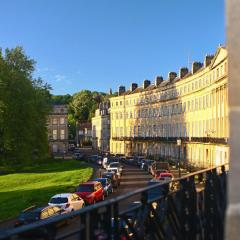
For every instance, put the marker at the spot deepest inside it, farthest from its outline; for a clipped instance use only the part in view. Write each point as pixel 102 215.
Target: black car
pixel 113 177
pixel 147 165
pixel 34 214
pixel 93 159
pixel 78 156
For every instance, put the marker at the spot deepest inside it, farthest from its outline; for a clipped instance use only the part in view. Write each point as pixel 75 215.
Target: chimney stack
pixel 121 90
pixel 158 80
pixel 196 66
pixel 172 76
pixel 183 72
pixel 133 87
pixel 146 83
pixel 208 60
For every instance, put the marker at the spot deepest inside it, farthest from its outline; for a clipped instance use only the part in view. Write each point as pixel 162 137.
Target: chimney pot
pixel 146 83
pixel 121 90
pixel 158 80
pixel 183 72
pixel 208 60
pixel 172 76
pixel 133 87
pixel 196 66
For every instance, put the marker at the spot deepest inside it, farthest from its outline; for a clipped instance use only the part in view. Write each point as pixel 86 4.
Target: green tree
pixel 84 104
pixel 61 99
pixel 24 107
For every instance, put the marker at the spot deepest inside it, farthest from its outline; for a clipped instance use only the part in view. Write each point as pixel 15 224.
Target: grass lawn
pixel 34 185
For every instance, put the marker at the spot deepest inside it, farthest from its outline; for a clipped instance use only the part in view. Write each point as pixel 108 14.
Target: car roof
pixel 166 174
pixel 97 179
pixel 107 173
pixel 35 209
pixel 88 183
pixel 62 195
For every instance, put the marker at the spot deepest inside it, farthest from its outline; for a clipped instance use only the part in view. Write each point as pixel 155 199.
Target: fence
pixel 191 207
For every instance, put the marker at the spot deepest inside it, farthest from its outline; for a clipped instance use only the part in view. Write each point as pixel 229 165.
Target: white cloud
pixel 59 77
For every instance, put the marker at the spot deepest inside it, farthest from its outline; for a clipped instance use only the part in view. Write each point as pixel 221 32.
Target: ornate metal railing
pixel 174 139
pixel 191 207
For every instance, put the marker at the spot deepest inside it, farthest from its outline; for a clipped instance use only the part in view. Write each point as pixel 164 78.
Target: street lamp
pixel 179 142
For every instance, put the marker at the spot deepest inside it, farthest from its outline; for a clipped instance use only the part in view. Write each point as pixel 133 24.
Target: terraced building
pixel 191 106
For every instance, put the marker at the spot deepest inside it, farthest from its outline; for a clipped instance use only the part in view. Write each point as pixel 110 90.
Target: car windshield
pixel 29 215
pixel 58 200
pixel 110 176
pixel 94 157
pixel 113 170
pixel 85 188
pixel 114 165
pixel 102 181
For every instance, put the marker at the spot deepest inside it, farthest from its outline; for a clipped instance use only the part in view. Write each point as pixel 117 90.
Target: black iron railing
pixel 191 207
pixel 174 139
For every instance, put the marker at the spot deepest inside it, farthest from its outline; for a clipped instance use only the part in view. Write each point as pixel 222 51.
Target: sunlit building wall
pixel 191 106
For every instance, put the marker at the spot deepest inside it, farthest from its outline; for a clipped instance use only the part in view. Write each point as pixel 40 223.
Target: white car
pixel 114 169
pixel 115 165
pixel 67 201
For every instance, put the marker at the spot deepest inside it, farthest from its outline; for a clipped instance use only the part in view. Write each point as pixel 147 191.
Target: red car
pixel 158 172
pixel 91 192
pixel 165 176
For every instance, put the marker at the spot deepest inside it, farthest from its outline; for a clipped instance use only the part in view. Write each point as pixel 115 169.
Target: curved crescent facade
pixel 191 107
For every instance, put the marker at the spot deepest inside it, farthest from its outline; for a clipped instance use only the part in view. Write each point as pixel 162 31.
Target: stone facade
pixel 192 107
pixel 84 134
pixel 58 129
pixel 101 128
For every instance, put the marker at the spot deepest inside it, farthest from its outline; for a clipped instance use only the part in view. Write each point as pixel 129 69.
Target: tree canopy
pixel 84 104
pixel 61 99
pixel 24 108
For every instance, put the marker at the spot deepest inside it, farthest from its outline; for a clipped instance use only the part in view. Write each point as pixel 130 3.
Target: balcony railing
pixel 191 207
pixel 174 139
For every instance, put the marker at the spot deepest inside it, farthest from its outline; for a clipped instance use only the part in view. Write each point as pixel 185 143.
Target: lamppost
pixel 179 142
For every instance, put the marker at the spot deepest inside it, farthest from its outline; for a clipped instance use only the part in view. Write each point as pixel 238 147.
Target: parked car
pixel 139 160
pixel 34 214
pixel 107 185
pixel 78 156
pixel 67 201
pixel 114 169
pixel 99 161
pixel 91 192
pixel 105 162
pixel 71 147
pixel 159 166
pixel 165 176
pixel 158 172
pixel 143 161
pixel 113 177
pixel 115 165
pixel 147 165
pixel 93 159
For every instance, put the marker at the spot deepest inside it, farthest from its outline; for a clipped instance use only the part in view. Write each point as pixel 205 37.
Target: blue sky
pixel 98 45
